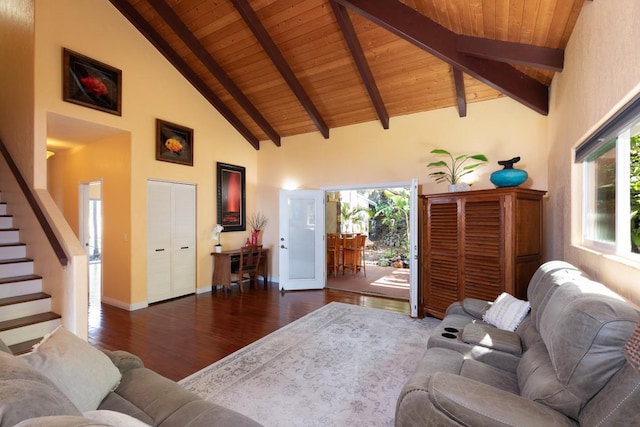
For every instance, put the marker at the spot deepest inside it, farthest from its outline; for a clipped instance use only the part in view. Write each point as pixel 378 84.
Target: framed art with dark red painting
pixel 91 83
pixel 231 197
pixel 174 143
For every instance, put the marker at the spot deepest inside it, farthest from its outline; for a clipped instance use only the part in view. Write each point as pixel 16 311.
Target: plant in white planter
pixel 455 169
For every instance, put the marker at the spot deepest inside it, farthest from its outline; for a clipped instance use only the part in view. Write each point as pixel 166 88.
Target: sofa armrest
pixel 471 402
pixel 471 307
pixel 124 360
pixel 476 307
pixel 491 337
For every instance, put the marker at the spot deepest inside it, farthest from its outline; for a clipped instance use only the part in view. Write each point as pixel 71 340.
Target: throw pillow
pixel 507 312
pixel 26 393
pixel 113 418
pixel 84 374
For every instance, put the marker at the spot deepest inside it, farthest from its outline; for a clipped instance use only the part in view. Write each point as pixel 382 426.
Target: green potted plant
pixel 455 169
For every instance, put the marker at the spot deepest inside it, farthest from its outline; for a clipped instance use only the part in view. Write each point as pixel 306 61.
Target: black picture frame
pixel 174 143
pixel 91 83
pixel 231 197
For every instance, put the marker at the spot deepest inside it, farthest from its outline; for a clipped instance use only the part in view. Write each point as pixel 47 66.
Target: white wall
pixel 601 72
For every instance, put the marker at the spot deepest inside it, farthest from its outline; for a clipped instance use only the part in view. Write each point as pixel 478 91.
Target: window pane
pixel 601 225
pixel 634 188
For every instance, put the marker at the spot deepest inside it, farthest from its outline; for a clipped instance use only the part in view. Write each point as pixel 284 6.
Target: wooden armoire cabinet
pixel 477 244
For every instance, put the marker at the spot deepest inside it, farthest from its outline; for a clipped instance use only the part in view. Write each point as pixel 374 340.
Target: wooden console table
pixel 222 262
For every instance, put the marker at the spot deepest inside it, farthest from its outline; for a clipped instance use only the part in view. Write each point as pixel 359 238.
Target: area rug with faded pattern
pixel 341 365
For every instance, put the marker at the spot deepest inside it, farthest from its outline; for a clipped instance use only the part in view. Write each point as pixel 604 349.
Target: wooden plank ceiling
pixel 277 68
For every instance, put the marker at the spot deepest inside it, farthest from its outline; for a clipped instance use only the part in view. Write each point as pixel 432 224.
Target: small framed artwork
pixel 231 197
pixel 91 83
pixel 174 143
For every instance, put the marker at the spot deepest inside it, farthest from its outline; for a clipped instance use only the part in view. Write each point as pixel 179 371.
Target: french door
pixel 301 242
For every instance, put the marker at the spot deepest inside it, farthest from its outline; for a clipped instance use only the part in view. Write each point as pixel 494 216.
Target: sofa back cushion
pixel 583 330
pixel 545 281
pixel 541 287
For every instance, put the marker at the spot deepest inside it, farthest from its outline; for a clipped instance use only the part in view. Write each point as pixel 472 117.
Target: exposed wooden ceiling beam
pixel 430 36
pixel 170 17
pixel 461 97
pixel 342 16
pixel 514 53
pixel 172 56
pixel 281 64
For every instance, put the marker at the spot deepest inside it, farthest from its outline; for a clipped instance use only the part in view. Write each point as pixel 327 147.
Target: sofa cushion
pixel 583 331
pixel 472 403
pixel 26 393
pixel 84 374
pixel 506 312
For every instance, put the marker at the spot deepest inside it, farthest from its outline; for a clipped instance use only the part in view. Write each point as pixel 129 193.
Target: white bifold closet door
pixel 171 240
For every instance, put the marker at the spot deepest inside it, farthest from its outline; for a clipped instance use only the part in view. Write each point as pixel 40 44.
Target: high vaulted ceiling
pixel 277 68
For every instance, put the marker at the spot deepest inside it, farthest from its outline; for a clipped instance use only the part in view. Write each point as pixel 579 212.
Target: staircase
pixel 25 311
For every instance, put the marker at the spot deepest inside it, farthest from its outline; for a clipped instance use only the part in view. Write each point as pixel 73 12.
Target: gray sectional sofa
pixel 66 382
pixel 563 366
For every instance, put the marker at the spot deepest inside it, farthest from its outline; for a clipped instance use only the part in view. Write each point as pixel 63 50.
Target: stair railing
pixel 35 207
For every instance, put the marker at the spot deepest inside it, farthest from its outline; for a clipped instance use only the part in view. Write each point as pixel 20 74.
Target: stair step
pixel 6 221
pixel 9 235
pixel 16 267
pixel 20 285
pixel 24 347
pixel 3 208
pixel 19 299
pixel 27 328
pixel 24 305
pixel 13 250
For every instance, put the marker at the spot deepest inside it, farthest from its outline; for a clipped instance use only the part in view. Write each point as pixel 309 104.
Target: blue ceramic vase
pixel 508 177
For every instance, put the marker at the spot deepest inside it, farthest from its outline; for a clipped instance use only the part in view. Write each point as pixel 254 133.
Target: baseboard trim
pixel 124 305
pixel 203 290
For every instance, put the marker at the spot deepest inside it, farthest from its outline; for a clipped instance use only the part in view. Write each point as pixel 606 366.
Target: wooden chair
pixel 361 240
pixel 248 266
pixel 350 254
pixel 333 252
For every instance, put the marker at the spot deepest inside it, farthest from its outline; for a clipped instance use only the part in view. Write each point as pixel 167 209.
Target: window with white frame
pixel 611 184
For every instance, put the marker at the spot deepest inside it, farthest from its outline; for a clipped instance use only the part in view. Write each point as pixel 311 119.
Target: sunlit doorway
pixel 91 236
pixel 382 214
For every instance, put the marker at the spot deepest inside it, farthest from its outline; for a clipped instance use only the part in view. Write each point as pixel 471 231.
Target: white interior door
pixel 302 246
pixel 171 240
pixel 183 247
pixel 158 241
pixel 413 248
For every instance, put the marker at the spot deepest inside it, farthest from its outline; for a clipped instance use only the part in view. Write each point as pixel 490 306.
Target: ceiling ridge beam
pixel 514 53
pixel 182 31
pixel 132 15
pixel 435 39
pixel 263 37
pixel 349 33
pixel 461 96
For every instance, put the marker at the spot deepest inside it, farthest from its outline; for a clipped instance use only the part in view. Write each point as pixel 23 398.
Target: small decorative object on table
pixel 257 221
pixel 508 177
pixel 456 169
pixel 215 235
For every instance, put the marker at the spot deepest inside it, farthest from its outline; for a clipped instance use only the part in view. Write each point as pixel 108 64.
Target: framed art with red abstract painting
pixel 231 197
pixel 91 83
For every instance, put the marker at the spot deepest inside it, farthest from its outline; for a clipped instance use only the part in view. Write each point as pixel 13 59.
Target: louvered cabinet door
pixel 478 244
pixel 483 246
pixel 441 284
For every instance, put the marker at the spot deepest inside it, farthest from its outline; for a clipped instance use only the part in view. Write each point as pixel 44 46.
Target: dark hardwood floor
pixel 179 337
